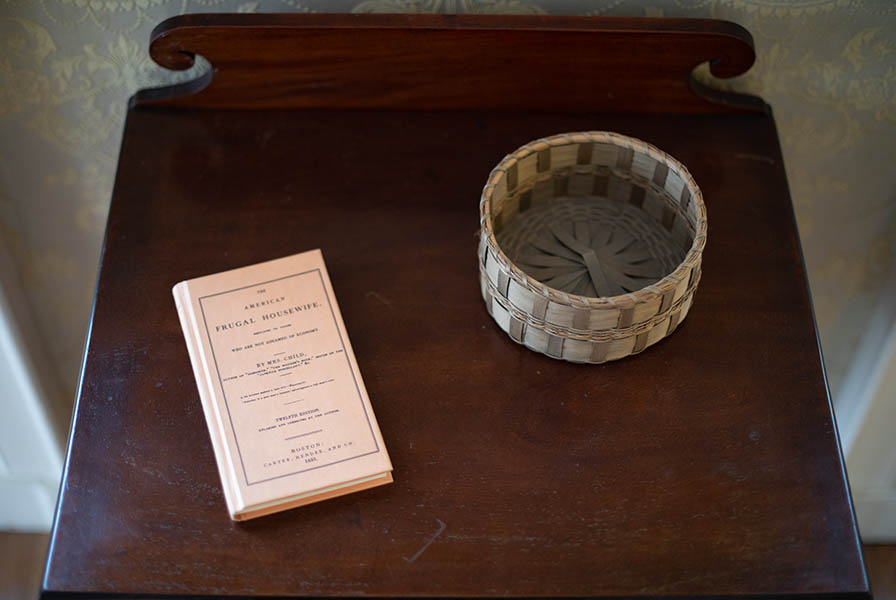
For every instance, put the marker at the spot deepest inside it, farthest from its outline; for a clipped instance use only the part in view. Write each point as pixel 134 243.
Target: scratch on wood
pixel 428 542
pixel 757 157
pixel 381 298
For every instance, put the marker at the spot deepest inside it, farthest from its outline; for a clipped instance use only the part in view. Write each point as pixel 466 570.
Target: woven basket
pixel 590 245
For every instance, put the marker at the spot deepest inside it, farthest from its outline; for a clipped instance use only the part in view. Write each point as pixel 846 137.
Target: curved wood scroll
pixel 451 62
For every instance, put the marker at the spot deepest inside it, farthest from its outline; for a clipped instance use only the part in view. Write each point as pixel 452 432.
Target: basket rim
pixel 645 294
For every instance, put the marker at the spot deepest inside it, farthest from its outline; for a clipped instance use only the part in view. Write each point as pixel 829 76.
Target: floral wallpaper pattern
pixel 67 67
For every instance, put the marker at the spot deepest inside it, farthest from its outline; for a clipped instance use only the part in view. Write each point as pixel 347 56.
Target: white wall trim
pixel 869 441
pixel 876 510
pixel 863 376
pixel 31 440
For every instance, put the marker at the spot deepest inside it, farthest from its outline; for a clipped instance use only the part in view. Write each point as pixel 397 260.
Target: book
pixel 286 408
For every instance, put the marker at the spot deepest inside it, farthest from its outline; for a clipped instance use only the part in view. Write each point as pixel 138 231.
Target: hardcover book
pixel 286 408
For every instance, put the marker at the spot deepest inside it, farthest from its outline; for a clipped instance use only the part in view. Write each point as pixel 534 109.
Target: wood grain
pixel 21 560
pixel 447 62
pixel 708 465
pixel 881 561
pixel 718 473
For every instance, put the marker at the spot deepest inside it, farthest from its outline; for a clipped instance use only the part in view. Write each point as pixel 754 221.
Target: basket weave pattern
pixel 579 166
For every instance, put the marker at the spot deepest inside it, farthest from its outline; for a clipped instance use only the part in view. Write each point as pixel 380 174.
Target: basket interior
pixel 594 229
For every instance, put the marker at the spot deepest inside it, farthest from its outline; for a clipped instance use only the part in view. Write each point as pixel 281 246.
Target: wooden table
pixel 709 465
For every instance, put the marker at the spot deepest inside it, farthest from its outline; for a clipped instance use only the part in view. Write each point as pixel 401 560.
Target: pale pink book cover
pixel 284 400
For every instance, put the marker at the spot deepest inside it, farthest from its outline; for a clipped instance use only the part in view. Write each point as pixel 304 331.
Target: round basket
pixel 590 245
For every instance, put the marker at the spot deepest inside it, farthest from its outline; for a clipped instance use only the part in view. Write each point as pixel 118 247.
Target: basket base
pixel 590 246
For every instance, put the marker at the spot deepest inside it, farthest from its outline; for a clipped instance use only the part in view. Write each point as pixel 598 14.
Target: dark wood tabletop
pixel 708 465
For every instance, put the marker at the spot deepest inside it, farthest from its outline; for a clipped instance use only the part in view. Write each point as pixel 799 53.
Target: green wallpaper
pixel 67 67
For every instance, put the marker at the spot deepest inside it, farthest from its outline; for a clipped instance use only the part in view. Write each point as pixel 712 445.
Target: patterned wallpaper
pixel 67 67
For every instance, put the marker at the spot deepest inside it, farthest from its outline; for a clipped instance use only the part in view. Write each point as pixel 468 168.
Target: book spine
pixel 190 330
